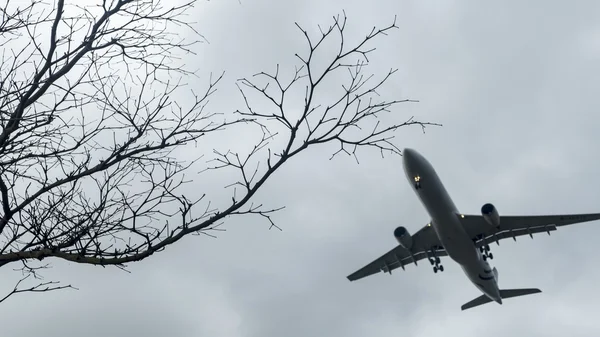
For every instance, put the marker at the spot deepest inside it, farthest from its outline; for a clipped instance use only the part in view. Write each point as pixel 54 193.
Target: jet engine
pixel 403 237
pixel 490 214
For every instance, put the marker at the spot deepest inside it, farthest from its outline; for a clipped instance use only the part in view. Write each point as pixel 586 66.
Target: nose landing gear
pixel 417 182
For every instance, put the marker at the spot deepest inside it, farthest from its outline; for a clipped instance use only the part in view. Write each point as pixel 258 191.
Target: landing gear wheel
pixel 431 261
pixel 484 257
pixel 481 249
pixel 491 256
pixel 435 269
pixel 441 268
pixel 487 248
pixel 437 260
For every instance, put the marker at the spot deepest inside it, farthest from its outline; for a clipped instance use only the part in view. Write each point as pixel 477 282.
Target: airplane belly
pixel 482 276
pixel 436 200
pixel 456 242
pixel 450 231
pixel 488 287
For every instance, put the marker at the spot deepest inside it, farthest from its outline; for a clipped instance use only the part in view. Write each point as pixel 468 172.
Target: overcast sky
pixel 515 87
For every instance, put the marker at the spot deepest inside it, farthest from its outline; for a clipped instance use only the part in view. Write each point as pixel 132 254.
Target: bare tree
pixel 88 172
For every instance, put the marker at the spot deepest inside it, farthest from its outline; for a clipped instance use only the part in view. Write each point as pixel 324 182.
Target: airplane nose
pixel 408 162
pixel 408 154
pixel 409 157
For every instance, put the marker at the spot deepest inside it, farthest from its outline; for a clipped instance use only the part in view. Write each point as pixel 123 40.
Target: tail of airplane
pixel 506 293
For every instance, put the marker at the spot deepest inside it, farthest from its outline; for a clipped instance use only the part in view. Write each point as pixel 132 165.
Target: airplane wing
pixel 424 242
pixel 513 226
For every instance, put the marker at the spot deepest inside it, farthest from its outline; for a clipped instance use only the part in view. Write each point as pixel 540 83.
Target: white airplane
pixel 464 238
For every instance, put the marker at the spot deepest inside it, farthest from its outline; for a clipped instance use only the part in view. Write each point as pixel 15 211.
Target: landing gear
pixel 485 250
pixel 488 256
pixel 435 262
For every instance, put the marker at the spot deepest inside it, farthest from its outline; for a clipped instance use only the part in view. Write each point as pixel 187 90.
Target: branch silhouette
pixel 89 129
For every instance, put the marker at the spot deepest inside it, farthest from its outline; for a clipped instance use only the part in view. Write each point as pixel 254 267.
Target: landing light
pixel 462 215
pixel 417 178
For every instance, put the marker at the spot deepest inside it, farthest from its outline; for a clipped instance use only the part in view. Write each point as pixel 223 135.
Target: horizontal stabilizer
pixel 508 293
pixel 483 299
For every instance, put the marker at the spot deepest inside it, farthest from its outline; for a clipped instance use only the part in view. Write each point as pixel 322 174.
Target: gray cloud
pixel 515 87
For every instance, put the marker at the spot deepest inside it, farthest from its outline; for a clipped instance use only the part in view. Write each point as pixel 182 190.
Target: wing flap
pixel 515 221
pixel 396 258
pixel 424 241
pixel 513 233
pixel 512 226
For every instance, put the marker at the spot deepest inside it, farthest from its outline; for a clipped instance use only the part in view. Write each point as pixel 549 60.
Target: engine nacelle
pixel 404 238
pixel 490 214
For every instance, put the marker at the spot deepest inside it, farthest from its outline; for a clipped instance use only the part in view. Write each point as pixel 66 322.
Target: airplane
pixel 464 238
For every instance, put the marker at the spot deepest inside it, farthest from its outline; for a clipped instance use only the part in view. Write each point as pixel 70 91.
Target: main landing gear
pixel 485 250
pixel 435 262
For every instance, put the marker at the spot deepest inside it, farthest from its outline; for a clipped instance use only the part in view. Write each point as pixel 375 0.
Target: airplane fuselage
pixel 445 221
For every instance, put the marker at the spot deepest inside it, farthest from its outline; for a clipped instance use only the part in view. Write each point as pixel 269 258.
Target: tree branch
pixel 94 150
